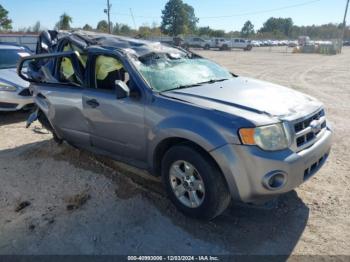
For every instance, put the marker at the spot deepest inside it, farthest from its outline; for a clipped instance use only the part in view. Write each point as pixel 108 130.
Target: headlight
pixel 7 87
pixel 272 137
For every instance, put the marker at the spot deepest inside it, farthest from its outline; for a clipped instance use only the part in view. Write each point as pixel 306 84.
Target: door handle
pixel 93 103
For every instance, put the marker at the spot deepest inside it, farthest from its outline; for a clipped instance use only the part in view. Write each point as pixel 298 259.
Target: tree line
pixel 179 19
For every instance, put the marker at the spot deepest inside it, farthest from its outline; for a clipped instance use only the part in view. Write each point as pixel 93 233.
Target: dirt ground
pixel 59 200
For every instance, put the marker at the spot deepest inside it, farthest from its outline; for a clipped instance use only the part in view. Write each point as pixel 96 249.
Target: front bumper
pixel 245 167
pixel 12 101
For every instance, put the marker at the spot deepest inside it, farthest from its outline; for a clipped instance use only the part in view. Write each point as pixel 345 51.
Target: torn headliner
pixel 129 45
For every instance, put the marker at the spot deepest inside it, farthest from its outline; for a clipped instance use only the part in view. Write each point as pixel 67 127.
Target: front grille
pixel 311 170
pixel 306 132
pixel 8 105
pixel 25 92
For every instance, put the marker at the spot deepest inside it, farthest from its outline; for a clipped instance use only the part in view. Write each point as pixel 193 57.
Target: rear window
pixel 10 57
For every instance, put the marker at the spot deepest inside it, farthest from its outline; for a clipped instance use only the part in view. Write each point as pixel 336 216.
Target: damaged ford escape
pixel 211 135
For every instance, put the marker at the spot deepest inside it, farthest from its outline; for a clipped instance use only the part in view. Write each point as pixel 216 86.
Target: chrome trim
pixel 295 136
pixel 313 141
pixel 309 129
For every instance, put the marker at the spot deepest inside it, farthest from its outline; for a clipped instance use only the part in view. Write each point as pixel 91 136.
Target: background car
pixel 197 42
pixel 14 92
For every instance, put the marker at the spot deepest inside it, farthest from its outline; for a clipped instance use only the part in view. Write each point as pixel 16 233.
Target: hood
pixel 250 95
pixel 9 76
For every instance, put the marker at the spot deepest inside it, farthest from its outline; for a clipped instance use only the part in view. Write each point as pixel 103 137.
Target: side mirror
pixel 122 90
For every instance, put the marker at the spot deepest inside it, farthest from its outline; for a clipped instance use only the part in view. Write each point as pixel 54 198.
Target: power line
pixel 137 16
pixel 234 15
pixel 108 12
pixel 262 11
pixel 133 18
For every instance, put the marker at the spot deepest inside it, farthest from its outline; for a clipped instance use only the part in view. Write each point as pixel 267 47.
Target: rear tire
pixel 248 48
pixel 206 195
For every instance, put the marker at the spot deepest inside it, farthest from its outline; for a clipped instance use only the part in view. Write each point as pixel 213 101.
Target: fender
pixel 204 134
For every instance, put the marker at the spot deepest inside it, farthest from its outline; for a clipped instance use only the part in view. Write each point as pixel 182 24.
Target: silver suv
pixel 211 135
pixel 197 42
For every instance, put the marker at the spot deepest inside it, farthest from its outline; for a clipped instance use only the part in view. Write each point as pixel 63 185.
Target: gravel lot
pixel 59 200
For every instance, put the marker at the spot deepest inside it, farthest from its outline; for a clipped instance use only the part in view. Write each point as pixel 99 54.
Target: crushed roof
pixel 138 47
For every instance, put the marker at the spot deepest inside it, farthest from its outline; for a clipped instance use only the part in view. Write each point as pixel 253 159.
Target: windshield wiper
pixel 183 86
pixel 211 81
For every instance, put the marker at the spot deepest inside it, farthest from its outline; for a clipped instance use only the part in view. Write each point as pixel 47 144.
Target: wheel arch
pixel 167 143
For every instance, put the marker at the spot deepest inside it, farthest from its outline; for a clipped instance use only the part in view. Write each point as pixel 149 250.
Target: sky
pixel 219 14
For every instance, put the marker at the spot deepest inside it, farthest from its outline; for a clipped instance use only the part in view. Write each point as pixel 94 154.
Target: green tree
pixel 178 18
pixel 247 29
pixel 125 30
pixel 155 29
pixel 204 31
pixel 144 31
pixel 218 33
pixel 36 27
pixel 5 22
pixel 278 26
pixel 191 19
pixel 102 26
pixel 116 29
pixel 65 22
pixel 87 27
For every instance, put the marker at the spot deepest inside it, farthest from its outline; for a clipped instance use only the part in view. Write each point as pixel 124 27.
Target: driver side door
pixel 116 125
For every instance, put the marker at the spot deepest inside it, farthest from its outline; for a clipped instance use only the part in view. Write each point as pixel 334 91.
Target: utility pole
pixel 133 18
pixel 344 23
pixel 108 12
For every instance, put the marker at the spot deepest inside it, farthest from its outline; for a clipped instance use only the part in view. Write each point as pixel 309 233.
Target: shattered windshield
pixel 165 72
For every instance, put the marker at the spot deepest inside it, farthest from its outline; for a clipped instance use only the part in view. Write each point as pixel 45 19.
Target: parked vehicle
pixel 220 43
pixel 256 43
pixel 211 135
pixel 292 43
pixel 14 92
pixel 197 42
pixel 240 43
pixel 303 40
pixel 224 44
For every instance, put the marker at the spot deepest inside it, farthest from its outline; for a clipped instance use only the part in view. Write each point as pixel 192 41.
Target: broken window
pixel 67 71
pixel 108 70
pixel 82 56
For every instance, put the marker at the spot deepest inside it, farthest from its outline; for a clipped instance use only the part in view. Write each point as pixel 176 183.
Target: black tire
pixel 248 48
pixel 217 196
pixel 225 48
pixel 206 47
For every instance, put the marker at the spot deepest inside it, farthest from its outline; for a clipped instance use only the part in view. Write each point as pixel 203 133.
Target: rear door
pixel 116 125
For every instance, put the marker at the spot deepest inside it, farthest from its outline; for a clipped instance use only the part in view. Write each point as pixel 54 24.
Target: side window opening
pixel 67 73
pixel 82 56
pixel 107 70
pixel 66 68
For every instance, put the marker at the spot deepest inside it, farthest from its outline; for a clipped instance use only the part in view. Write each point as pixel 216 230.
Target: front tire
pixel 194 183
